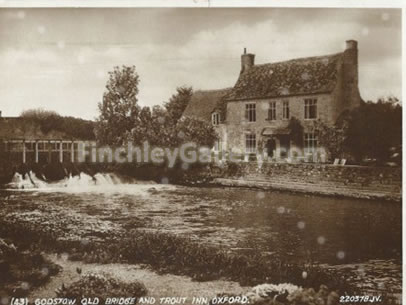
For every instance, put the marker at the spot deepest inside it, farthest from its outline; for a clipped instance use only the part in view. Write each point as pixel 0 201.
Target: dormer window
pixel 215 118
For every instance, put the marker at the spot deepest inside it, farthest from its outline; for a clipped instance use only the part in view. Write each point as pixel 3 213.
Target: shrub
pixel 288 294
pixel 102 287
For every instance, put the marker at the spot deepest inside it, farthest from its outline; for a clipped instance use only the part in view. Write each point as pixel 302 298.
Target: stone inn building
pixel 254 115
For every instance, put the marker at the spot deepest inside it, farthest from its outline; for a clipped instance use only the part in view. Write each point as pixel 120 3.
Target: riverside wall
pixel 324 179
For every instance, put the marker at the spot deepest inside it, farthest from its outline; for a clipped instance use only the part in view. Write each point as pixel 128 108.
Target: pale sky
pixel 58 58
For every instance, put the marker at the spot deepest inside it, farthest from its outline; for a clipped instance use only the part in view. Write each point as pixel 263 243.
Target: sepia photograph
pixel 200 155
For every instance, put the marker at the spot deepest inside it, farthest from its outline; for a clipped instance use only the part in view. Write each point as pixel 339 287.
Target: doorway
pixel 284 142
pixel 270 147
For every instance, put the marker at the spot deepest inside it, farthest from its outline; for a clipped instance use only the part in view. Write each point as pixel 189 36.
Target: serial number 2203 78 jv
pixel 360 299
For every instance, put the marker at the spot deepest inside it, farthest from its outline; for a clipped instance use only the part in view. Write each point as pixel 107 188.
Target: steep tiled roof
pixel 203 102
pixel 293 77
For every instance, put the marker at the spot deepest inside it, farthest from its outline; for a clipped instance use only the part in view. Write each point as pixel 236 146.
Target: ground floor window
pixel 250 143
pixel 217 146
pixel 310 142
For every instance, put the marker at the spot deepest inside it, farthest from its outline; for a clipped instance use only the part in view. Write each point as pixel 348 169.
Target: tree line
pixel 50 120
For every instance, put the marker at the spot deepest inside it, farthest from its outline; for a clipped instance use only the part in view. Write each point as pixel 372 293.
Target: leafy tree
pixel 142 131
pixel 194 130
pixel 119 111
pixel 296 131
pixel 374 129
pixel 332 138
pixel 165 126
pixel 154 126
pixel 178 103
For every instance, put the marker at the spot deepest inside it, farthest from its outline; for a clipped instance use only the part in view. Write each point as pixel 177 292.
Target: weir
pixel 30 180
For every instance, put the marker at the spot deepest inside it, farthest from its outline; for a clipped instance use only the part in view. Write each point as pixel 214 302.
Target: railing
pixel 34 150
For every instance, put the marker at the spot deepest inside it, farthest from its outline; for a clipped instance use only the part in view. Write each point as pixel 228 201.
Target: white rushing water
pixel 27 181
pixel 100 183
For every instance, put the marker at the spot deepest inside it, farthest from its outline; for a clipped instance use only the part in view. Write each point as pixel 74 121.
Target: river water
pixel 362 239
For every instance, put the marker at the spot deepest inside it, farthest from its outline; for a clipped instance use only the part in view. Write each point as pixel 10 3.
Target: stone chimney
pixel 352 96
pixel 247 61
pixel 351 61
pixel 351 45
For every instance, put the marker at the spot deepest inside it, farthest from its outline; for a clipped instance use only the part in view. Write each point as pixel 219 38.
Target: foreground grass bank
pixel 20 271
pixel 169 253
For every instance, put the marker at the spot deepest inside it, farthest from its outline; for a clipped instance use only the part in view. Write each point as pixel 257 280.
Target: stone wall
pixel 348 181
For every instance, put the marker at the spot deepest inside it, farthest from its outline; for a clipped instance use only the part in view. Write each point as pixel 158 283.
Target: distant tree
pixel 47 119
pixel 178 103
pixel 119 111
pixel 38 113
pixel 51 120
pixel 375 129
pixel 78 128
